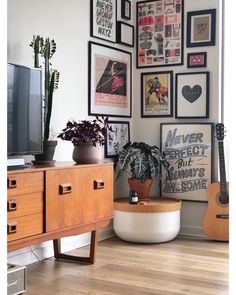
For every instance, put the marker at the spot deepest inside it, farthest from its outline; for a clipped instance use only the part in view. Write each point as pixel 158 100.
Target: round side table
pixel 156 221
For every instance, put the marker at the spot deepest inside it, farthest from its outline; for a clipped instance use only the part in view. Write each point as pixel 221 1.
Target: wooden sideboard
pixel 48 203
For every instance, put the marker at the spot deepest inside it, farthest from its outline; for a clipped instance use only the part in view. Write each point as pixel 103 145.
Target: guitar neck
pixel 223 185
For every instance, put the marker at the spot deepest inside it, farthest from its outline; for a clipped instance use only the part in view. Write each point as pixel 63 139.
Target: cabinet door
pixel 98 193
pixel 63 198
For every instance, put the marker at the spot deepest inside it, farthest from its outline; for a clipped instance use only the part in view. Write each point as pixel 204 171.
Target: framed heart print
pixel 192 95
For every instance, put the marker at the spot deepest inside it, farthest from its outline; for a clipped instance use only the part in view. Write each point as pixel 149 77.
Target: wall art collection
pixel 159 43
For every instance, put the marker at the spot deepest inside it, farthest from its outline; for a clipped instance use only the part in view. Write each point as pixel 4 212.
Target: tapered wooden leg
pixel 92 253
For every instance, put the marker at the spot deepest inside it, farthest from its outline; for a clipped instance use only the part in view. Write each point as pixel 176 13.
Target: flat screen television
pixel 24 110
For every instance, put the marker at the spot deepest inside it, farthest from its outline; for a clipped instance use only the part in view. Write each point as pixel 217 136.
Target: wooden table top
pixel 154 205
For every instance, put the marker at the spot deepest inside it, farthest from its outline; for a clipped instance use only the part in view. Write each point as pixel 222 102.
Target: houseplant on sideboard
pixel 46 48
pixel 143 162
pixel 88 138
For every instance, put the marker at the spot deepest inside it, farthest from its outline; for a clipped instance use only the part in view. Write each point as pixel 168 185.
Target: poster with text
pixel 188 149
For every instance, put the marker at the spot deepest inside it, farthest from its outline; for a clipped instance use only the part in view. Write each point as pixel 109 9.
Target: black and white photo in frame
pixel 192 95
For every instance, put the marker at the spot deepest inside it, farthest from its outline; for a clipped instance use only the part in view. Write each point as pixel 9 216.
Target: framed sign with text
pixel 188 149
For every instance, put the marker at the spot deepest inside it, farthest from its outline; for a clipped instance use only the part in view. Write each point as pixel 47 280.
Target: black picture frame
pixel 125 34
pixel 157 94
pixel 197 60
pixel 116 139
pixel 155 28
pixel 192 99
pixel 126 9
pixel 189 150
pixel 109 81
pixel 201 27
pixel 100 32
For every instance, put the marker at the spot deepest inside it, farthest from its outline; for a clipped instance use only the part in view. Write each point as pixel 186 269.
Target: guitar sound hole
pixel 223 199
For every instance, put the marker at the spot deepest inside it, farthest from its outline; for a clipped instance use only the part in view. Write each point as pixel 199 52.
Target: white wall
pixel 68 22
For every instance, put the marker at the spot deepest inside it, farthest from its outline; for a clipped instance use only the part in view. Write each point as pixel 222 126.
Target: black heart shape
pixel 191 94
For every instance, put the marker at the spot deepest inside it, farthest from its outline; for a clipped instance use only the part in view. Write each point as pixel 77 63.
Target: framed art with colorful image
pixel 192 95
pixel 160 33
pixel 117 138
pixel 126 9
pixel 189 149
pixel 157 94
pixel 197 60
pixel 110 75
pixel 103 17
pixel 201 28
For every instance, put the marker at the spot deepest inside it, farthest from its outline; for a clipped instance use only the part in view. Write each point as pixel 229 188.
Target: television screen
pixel 24 110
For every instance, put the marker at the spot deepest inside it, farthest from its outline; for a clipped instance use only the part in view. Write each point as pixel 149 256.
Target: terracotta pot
pixel 142 188
pixel 88 154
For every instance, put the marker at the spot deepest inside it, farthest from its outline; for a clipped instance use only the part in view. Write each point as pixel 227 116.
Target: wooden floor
pixel 183 266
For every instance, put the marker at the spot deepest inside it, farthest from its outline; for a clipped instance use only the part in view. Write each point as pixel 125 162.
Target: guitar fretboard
pixel 223 187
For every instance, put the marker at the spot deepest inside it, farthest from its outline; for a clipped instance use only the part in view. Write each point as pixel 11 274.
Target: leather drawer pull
pixel 98 184
pixel 11 205
pixel 65 188
pixel 11 182
pixel 12 227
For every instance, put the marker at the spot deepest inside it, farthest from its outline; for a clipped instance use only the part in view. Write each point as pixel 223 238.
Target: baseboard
pixel 195 231
pixel 44 250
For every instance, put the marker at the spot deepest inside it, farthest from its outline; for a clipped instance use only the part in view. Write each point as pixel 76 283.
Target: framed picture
pixel 126 9
pixel 192 95
pixel 110 76
pixel 157 94
pixel 103 17
pixel 201 26
pixel 197 60
pixel 125 34
pixel 160 33
pixel 188 149
pixel 117 139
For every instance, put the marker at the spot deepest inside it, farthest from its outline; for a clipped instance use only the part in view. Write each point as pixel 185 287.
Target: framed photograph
pixel 197 60
pixel 103 17
pixel 126 9
pixel 192 95
pixel 125 34
pixel 157 94
pixel 110 75
pixel 117 139
pixel 188 149
pixel 160 33
pixel 201 26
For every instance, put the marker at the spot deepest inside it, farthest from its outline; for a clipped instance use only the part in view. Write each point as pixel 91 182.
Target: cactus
pixel 46 48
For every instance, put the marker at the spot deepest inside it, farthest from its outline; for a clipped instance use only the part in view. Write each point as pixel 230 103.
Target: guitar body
pixel 216 220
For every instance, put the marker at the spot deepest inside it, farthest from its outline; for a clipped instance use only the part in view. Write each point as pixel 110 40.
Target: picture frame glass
pixel 159 33
pixel 156 94
pixel 196 60
pixel 109 81
pixel 201 28
pixel 127 9
pixel 103 19
pixel 117 138
pixel 188 149
pixel 192 95
pixel 127 34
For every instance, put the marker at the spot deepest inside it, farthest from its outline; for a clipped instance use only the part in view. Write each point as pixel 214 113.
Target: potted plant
pixel 88 137
pixel 143 162
pixel 46 48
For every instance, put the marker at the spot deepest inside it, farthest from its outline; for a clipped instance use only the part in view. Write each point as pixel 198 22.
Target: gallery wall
pixel 69 25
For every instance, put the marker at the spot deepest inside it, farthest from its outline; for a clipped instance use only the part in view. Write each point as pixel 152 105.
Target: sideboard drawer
pixel 24 183
pixel 26 204
pixel 25 226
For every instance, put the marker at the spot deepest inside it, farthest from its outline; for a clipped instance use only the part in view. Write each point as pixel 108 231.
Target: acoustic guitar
pixel 216 220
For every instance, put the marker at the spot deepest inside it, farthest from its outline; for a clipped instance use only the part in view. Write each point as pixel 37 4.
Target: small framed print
pixel 188 148
pixel 156 94
pixel 192 95
pixel 201 26
pixel 103 17
pixel 197 60
pixel 117 138
pixel 126 9
pixel 125 34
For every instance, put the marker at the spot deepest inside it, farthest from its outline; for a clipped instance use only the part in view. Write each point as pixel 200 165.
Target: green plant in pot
pixel 46 48
pixel 143 162
pixel 88 138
